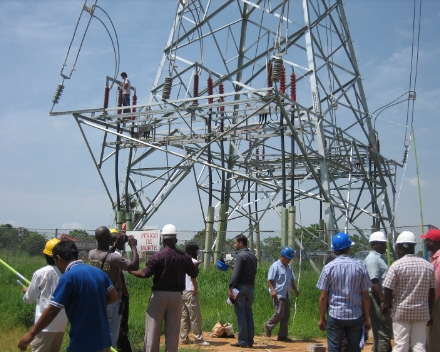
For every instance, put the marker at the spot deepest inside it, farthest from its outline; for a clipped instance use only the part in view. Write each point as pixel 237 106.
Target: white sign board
pixel 147 241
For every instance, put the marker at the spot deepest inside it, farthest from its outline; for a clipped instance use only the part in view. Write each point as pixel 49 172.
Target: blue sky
pixel 47 178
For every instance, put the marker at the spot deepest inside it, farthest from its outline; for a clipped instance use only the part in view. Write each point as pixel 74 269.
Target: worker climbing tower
pixel 259 102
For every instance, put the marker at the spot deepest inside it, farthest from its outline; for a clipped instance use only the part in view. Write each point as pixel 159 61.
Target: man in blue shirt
pixel 281 281
pixel 344 285
pixel 84 292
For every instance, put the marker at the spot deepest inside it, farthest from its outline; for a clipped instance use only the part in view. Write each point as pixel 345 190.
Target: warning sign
pixel 147 241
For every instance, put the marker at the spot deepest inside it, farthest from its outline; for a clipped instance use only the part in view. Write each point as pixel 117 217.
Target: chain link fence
pixel 311 245
pixel 22 249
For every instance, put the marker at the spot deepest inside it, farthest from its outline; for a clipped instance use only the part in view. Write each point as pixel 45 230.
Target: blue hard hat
pixel 287 252
pixel 222 265
pixel 341 241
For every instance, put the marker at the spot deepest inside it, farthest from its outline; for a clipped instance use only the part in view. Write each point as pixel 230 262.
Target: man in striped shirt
pixel 410 284
pixel 344 285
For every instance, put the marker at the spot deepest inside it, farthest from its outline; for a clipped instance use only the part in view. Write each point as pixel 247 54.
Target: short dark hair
pixel 408 248
pixel 374 243
pixel 170 241
pixel 49 259
pixel 242 239
pixel 124 74
pixel 342 251
pixel 191 249
pixel 66 250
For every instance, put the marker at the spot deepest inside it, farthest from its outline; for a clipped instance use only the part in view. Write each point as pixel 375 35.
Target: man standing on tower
pixel 125 86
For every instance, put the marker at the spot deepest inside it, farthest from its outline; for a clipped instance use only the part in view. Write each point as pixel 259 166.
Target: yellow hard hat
pixel 49 246
pixel 113 231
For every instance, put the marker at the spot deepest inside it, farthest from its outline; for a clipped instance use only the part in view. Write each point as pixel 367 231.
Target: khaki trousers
pixel 163 306
pixel 48 342
pixel 191 317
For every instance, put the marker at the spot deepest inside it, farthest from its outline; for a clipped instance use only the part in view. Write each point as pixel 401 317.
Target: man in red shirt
pixel 169 268
pixel 432 242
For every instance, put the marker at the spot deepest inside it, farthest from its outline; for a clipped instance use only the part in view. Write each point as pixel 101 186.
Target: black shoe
pixel 239 345
pixel 285 339
pixel 267 332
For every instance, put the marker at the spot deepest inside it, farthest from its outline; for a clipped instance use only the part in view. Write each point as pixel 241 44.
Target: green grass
pixel 213 284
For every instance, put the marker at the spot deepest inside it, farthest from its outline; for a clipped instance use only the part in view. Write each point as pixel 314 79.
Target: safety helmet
pixel 406 237
pixel 114 231
pixel 169 230
pixel 222 265
pixel 287 252
pixel 48 248
pixel 341 241
pixel 377 237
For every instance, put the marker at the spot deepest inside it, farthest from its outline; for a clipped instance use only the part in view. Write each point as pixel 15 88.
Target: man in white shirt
pixel 125 86
pixel 43 284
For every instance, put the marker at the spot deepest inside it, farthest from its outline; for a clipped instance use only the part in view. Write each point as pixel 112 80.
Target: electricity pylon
pixel 261 103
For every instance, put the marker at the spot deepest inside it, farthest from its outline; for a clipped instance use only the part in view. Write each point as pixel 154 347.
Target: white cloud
pixel 72 226
pixel 413 182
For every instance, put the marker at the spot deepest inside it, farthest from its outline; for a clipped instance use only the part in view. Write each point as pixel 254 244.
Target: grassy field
pixel 17 316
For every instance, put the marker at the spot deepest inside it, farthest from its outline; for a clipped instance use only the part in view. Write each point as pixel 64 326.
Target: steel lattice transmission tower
pixel 261 103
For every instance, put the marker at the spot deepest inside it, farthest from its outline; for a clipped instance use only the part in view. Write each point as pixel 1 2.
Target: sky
pixel 47 178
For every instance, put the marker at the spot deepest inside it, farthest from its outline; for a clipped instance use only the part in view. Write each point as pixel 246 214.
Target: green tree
pixel 200 238
pixel 81 235
pixel 33 243
pixel 7 235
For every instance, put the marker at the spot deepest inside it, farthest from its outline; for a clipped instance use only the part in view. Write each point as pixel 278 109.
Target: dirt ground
pixel 261 343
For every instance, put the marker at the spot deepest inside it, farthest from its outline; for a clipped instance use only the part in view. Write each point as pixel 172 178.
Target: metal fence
pixel 310 244
pixel 22 249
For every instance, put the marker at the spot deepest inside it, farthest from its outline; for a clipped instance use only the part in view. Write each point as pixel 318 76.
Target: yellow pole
pixel 21 277
pixel 420 193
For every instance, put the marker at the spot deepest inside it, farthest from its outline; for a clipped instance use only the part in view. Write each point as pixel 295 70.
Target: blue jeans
pixel 335 333
pixel 126 102
pixel 245 317
pixel 114 321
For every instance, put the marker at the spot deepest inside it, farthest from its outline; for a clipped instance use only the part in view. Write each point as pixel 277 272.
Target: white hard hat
pixel 377 237
pixel 406 237
pixel 169 230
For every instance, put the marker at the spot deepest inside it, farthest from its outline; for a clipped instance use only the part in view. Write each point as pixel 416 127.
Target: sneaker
pixel 185 342
pixel 202 343
pixel 267 331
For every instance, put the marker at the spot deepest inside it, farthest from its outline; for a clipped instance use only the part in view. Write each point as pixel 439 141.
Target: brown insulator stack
pixel 210 90
pixel 134 102
pixel 106 97
pixel 283 80
pixel 119 100
pixel 196 88
pixel 293 86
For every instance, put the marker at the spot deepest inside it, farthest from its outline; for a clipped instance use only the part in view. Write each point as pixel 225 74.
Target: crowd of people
pixel 398 302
